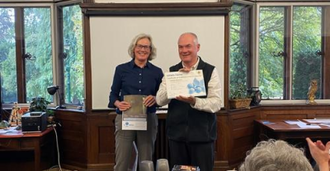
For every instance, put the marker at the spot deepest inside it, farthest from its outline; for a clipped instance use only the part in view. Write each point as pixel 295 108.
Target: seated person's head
pixel 275 155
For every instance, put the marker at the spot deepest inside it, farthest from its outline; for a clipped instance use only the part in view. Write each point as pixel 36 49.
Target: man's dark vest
pixel 187 124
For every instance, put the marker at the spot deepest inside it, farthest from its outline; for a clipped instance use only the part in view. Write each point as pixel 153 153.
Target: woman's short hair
pixel 275 155
pixel 136 39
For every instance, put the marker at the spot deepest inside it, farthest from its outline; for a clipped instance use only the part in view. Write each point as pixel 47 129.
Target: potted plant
pixel 239 98
pixel 39 104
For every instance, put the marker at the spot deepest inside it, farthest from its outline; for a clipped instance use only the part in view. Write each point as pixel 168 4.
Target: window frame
pixel 288 50
pixel 57 47
pixel 20 46
pixel 249 35
pixel 59 51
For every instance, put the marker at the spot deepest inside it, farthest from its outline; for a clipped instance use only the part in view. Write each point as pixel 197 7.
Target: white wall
pixel 111 36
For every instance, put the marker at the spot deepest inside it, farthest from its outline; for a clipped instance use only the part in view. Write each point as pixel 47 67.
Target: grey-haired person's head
pixel 133 44
pixel 275 155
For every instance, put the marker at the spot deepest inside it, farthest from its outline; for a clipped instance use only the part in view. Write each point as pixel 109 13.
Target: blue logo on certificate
pixel 196 86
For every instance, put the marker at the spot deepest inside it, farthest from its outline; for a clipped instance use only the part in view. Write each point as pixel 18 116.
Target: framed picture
pixel 16 114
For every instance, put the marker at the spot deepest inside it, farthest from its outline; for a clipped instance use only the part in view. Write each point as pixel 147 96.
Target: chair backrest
pixel 162 165
pixel 146 165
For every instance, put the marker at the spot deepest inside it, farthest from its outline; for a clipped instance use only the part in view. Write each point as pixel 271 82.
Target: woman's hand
pixel 149 101
pixel 122 105
pixel 320 153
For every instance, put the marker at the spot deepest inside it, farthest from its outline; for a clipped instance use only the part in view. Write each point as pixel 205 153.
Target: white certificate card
pixel 135 118
pixel 185 84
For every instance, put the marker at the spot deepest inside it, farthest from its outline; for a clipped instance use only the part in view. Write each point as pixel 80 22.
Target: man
pixel 191 121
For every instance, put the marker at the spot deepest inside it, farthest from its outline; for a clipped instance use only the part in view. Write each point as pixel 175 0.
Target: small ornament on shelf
pixel 311 92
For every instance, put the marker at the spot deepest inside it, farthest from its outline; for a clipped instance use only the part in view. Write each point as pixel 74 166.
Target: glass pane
pixel 73 50
pixel 307 64
pixel 271 44
pixel 8 55
pixel 38 49
pixel 239 46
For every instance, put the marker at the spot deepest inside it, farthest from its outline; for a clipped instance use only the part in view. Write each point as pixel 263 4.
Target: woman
pixel 136 77
pixel 275 155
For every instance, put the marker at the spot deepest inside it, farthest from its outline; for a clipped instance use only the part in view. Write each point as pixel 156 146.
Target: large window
pixel 307 58
pixel 271 51
pixel 29 61
pixel 25 53
pixel 290 51
pixel 38 52
pixel 239 46
pixel 8 55
pixel 72 54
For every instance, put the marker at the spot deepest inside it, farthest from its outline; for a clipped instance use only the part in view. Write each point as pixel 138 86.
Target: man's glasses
pixel 139 47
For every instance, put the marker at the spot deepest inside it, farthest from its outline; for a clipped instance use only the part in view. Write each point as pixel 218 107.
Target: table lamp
pixel 52 90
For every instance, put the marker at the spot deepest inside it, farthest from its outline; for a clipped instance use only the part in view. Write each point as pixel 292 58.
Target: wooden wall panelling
pixel 326 51
pixel 161 9
pixel 243 131
pixel 226 62
pixel 87 65
pixel 72 138
pixel 91 137
pixel 224 142
pixel 87 140
pixel 295 112
pixel 235 137
pixel 101 140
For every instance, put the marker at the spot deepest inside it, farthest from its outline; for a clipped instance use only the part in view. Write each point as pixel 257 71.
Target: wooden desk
pixel 27 142
pixel 278 129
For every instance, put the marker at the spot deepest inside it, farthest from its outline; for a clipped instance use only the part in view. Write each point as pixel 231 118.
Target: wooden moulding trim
pixel 156 9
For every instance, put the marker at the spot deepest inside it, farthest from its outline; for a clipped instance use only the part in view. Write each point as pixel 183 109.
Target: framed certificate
pixel 185 84
pixel 135 118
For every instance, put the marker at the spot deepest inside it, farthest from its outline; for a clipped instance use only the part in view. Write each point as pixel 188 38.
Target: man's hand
pixel 122 106
pixel 191 99
pixel 184 69
pixel 149 101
